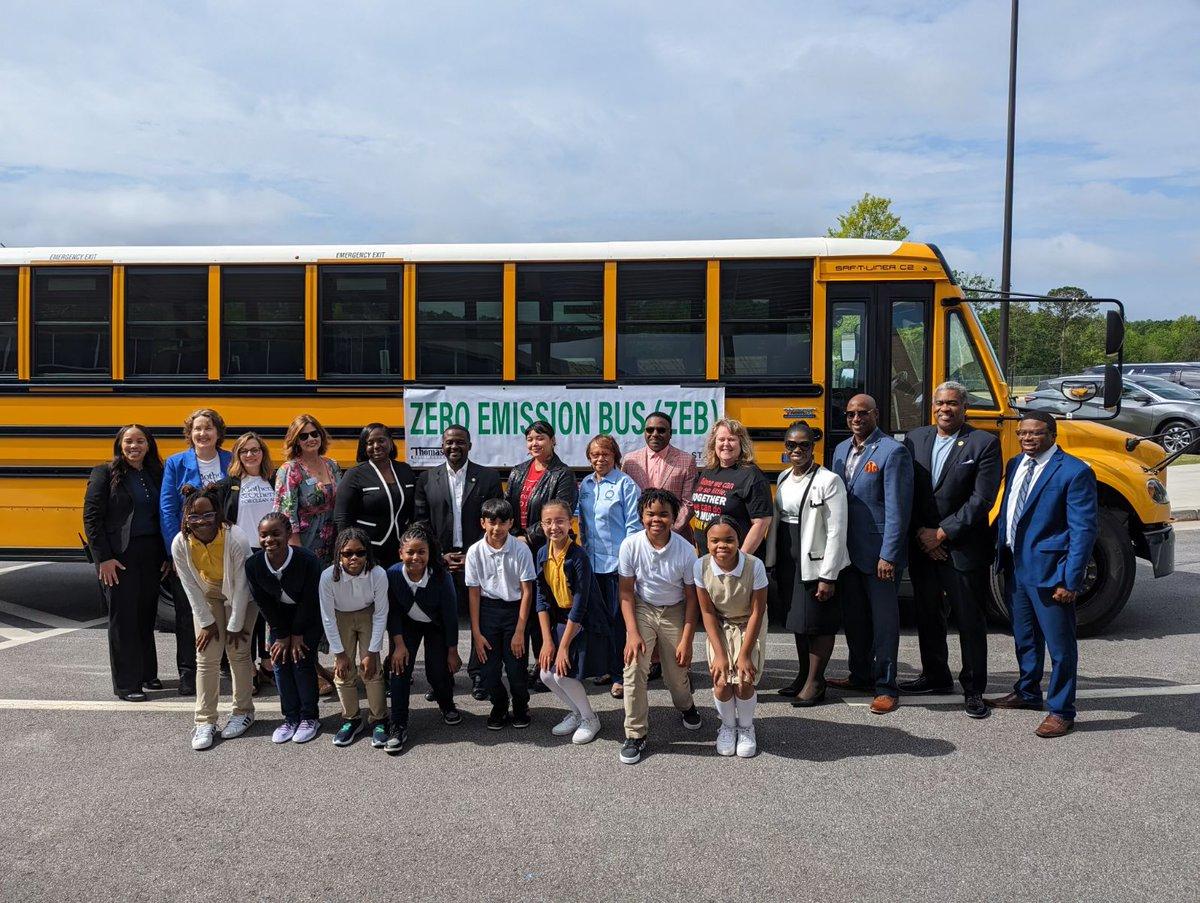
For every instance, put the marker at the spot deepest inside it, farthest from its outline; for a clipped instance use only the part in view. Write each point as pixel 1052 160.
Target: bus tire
pixel 1107 586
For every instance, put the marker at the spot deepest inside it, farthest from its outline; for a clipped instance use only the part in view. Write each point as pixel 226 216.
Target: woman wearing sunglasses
pixel 807 547
pixel 305 487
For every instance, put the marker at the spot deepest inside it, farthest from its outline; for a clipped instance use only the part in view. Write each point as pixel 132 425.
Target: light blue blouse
pixel 607 514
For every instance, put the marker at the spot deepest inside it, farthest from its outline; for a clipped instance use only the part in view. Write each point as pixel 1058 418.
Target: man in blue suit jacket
pixel 1045 533
pixel 878 473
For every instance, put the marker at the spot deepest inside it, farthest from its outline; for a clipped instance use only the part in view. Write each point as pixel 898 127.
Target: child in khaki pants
pixel 354 610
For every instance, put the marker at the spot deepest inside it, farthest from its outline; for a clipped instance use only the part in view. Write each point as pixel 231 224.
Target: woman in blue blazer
pixel 202 463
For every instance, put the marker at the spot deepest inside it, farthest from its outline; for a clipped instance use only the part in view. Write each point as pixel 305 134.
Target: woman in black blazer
pixel 378 494
pixel 120 517
pixel 543 476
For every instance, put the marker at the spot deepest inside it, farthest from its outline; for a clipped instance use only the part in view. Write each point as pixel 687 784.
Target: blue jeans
pixel 297 683
pixel 498 624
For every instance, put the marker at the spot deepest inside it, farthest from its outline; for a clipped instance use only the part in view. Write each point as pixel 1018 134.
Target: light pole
pixel 1006 258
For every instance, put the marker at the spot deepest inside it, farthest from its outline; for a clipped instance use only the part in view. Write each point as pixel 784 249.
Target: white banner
pixel 497 417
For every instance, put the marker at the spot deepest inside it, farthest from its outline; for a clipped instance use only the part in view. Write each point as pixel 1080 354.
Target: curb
pixel 1185 514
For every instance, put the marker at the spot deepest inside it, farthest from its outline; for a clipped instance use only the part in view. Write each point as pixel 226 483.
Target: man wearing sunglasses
pixel 660 465
pixel 957 471
pixel 878 473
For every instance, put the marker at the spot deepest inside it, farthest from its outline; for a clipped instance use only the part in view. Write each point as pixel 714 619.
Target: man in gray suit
pixel 878 473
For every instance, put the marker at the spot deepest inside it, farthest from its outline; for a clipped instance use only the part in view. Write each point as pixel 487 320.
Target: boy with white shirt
pixel 659 605
pixel 499 579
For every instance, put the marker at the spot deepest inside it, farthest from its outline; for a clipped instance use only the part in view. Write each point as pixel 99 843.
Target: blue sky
pixel 227 123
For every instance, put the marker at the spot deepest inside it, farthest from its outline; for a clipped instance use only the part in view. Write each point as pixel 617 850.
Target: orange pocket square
pixel 871 467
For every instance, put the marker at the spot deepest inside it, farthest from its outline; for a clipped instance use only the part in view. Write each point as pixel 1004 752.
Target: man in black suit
pixel 957 474
pixel 450 496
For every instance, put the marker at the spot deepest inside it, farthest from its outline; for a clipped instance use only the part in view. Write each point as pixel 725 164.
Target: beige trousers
pixel 658 627
pixel 208 664
pixel 354 627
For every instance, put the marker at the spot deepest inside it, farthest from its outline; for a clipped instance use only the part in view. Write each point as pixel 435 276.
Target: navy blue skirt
pixel 588 652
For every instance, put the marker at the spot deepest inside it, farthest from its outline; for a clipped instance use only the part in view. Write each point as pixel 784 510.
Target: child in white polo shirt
pixel 499 577
pixel 658 603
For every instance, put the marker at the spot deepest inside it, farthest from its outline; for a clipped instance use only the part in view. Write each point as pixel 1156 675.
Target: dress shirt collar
pixel 736 571
pixel 424 581
pixel 286 562
pixel 1043 457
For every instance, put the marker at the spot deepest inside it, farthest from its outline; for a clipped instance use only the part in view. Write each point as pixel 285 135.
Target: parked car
pixel 1186 373
pixel 1149 406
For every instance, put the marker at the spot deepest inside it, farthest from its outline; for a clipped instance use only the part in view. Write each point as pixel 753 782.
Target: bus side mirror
pixel 1114 338
pixel 1112 375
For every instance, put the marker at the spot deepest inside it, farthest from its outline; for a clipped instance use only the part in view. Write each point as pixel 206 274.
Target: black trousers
pixel 498 624
pixel 185 629
pixel 132 606
pixel 436 669
pixel 871 615
pixel 936 584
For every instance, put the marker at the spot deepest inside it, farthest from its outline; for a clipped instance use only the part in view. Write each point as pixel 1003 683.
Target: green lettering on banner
pixel 605 418
pixel 637 422
pixel 414 428
pixel 702 421
pixel 462 416
pixel 527 416
pixel 483 425
pixel 685 418
pixel 670 408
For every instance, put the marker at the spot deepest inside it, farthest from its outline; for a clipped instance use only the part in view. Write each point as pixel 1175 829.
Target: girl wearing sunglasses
pixel 305 487
pixel 354 610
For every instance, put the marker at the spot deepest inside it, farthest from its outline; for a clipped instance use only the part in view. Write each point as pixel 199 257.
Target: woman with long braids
pixel 120 517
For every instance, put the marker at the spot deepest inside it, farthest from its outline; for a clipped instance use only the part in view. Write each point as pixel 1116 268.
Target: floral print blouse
pixel 308 504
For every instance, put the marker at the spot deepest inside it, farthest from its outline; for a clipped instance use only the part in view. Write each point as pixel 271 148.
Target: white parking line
pixel 272 706
pixel 22 566
pixel 19 636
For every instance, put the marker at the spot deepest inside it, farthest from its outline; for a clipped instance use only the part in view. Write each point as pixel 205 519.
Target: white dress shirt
pixel 278 575
pixel 414 610
pixel 458 486
pixel 1015 490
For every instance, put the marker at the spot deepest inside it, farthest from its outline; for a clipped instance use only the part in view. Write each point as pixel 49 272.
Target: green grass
pixel 1187 459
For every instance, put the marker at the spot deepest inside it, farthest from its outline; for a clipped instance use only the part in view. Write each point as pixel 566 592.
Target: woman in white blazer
pixel 807 547
pixel 210 558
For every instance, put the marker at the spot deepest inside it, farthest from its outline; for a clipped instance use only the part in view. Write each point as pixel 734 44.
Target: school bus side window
pixel 962 365
pixel 460 320
pixel 166 322
pixel 660 319
pixel 766 319
pixel 560 320
pixel 8 321
pixel 262 310
pixel 72 321
pixel 360 332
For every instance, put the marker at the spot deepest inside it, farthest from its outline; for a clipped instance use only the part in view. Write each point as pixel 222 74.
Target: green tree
pixel 870 217
pixel 1072 324
pixel 975 285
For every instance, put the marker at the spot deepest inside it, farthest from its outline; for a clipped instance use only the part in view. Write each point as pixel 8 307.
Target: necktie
pixel 1022 495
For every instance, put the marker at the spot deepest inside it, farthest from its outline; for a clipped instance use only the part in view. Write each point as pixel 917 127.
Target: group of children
pixel 550 602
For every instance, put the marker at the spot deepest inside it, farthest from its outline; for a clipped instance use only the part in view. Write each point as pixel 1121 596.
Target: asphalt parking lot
pixel 106 800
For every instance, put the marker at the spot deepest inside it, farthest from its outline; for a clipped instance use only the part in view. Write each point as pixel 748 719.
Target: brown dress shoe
pixel 881 705
pixel 846 683
pixel 1054 726
pixel 1013 701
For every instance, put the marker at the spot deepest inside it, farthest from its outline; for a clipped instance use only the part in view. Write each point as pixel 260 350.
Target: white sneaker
pixel 726 741
pixel 587 730
pixel 567 726
pixel 747 744
pixel 202 736
pixel 236 726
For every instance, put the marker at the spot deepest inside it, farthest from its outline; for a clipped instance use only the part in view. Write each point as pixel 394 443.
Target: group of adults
pixel 838 539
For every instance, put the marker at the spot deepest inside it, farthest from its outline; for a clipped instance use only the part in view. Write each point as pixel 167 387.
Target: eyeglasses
pixel 311 434
pixel 353 553
pixel 251 451
pixel 201 518
pixel 658 430
pixel 854 415
pixel 1030 434
pixel 793 446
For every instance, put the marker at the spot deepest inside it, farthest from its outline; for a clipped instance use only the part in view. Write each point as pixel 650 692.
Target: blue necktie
pixel 1022 495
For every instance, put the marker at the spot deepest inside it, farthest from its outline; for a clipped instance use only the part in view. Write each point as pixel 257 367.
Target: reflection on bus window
pixel 766 319
pixel 166 321
pixel 661 320
pixel 360 332
pixel 560 320
pixel 963 366
pixel 908 366
pixel 8 321
pixel 459 329
pixel 262 310
pixel 72 313
pixel 847 374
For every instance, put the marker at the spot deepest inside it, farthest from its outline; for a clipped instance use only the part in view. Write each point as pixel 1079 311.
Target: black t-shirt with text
pixel 740 492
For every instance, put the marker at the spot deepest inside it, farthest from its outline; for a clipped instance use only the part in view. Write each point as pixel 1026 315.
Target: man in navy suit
pixel 878 474
pixel 1045 534
pixel 957 476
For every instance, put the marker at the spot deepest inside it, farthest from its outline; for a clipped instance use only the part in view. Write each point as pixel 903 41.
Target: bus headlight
pixel 1158 492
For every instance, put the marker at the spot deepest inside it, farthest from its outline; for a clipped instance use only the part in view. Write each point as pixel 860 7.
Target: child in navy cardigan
pixel 423 606
pixel 574 631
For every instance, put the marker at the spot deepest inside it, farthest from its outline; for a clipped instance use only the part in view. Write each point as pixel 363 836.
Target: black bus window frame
pixel 10 280
pixel 349 322
pixel 632 329
pixel 96 329
pixel 790 319
pixel 189 333
pixel 472 341
pixel 255 330
pixel 565 314
pixel 966 344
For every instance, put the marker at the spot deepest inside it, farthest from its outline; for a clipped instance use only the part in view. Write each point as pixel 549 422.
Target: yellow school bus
pixel 93 338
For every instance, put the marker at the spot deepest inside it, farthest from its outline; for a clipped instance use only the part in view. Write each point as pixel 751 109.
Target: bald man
pixel 878 472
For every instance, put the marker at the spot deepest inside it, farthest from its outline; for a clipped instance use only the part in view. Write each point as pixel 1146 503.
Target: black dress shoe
pixel 478 693
pixel 975 706
pixel 923 684
pixel 154 684
pixel 801 702
pixel 655 671
pixel 187 683
pixel 132 696
pixel 793 689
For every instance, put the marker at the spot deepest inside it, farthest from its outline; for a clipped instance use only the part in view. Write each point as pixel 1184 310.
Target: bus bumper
pixel 1160 548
